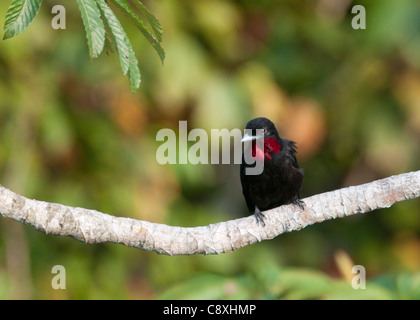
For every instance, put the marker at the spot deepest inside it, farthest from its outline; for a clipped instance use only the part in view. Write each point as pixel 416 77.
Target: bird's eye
pixel 265 130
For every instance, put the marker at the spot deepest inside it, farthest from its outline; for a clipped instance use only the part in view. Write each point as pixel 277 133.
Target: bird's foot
pixel 299 203
pixel 259 216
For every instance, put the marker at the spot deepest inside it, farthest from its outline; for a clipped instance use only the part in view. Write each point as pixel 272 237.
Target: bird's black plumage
pixel 281 179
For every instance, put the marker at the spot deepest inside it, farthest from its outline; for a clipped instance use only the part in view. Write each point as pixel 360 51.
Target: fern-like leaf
pixel 122 44
pixel 154 23
pixel 95 30
pixel 150 36
pixel 19 15
pixel 118 35
pixel 134 72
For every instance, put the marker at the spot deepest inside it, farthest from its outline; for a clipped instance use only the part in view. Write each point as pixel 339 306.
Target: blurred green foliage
pixel 71 132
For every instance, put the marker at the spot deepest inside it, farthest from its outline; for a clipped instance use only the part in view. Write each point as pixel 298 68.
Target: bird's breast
pixel 271 146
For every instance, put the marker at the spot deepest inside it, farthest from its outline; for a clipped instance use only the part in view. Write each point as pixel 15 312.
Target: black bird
pixel 281 179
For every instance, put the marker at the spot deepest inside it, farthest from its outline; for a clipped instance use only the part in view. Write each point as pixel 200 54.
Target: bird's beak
pixel 248 137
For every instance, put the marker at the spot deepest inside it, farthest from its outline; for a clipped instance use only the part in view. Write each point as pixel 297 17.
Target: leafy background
pixel 72 132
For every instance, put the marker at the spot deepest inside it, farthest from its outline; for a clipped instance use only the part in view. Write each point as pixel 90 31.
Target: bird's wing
pixel 293 171
pixel 291 147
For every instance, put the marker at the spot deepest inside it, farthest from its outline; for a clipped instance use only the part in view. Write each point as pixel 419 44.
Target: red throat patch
pixel 270 145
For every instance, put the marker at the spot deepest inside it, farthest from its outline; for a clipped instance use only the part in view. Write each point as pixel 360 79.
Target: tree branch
pixel 91 226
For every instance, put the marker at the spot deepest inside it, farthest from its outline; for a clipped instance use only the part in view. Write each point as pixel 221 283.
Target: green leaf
pixel 134 72
pixel 109 45
pixel 19 15
pixel 118 35
pixel 154 40
pixel 122 44
pixel 154 23
pixel 95 30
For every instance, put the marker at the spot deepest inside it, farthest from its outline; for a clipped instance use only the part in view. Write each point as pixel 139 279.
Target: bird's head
pixel 262 128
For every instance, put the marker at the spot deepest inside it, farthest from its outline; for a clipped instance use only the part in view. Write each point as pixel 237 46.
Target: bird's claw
pixel 259 216
pixel 299 203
